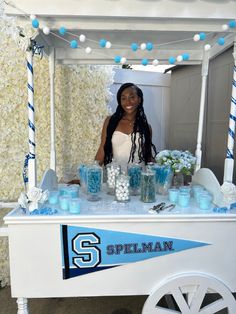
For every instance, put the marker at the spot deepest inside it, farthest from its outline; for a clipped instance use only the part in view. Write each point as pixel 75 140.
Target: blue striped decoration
pixel 29 66
pixel 30 106
pixel 234 83
pixel 229 154
pixel 233 100
pixel 32 143
pixel 31 125
pixel 231 133
pixel 31 88
pixel 25 168
pixel 232 117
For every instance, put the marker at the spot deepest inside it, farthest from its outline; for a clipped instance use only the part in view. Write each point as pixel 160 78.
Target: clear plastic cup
pixel 205 200
pixel 64 202
pixel 53 197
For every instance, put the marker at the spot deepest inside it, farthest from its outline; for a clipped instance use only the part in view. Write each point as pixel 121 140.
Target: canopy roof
pixel 169 24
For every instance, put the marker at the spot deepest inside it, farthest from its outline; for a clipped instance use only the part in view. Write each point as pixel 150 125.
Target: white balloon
pixel 155 62
pixel 196 37
pixel 88 50
pixel 123 60
pixel 143 46
pixel 179 58
pixel 225 27
pixel 82 38
pixel 46 30
pixel 32 16
pixel 207 47
pixel 108 44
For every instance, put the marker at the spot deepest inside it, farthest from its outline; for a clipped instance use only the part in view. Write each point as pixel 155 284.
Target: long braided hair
pixel 145 145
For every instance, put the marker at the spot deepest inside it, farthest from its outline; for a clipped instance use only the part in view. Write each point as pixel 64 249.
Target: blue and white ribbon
pixel 229 161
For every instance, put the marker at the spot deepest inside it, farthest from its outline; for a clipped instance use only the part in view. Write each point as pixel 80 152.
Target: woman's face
pixel 129 100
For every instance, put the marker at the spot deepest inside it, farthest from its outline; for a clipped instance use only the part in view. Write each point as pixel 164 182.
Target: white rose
pixel 34 194
pixel 23 200
pixel 228 188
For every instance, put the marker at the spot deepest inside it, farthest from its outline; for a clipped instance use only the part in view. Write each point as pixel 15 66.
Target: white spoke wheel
pixel 187 293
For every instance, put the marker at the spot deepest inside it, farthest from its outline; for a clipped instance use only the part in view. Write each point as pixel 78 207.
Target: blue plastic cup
pixel 205 200
pixel 186 189
pixel 53 197
pixel 183 199
pixel 74 205
pixel 173 195
pixel 64 202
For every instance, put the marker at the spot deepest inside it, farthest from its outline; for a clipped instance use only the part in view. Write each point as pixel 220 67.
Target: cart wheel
pixel 185 294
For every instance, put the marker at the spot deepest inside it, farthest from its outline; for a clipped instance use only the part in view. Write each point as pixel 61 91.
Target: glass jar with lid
pixel 94 182
pixel 134 173
pixel 122 188
pixel 148 190
pixel 112 170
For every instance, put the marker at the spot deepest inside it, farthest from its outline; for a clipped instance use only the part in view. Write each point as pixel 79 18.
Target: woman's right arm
pixel 100 153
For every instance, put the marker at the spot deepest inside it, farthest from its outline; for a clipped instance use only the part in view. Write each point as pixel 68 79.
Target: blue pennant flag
pixel 86 250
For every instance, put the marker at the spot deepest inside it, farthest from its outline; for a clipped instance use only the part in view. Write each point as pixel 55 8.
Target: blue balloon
pixel 102 43
pixel 144 62
pixel 117 59
pixel 221 41
pixel 35 23
pixel 149 46
pixel 202 36
pixel 185 56
pixel 232 23
pixel 62 30
pixel 172 60
pixel 134 46
pixel 74 44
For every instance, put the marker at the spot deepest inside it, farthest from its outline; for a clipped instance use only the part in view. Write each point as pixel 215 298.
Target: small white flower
pixel 228 188
pixel 34 194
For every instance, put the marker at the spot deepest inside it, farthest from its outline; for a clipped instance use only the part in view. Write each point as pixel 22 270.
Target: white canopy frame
pixel 161 21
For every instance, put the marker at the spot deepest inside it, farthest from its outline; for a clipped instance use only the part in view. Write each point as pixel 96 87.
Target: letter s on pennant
pixel 88 255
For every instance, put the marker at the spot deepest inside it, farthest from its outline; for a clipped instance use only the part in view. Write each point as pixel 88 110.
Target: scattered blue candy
pixel 220 209
pixel 44 211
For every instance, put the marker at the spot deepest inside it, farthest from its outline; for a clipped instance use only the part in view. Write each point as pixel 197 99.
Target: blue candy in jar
pixel 94 182
pixel 134 172
pixel 148 193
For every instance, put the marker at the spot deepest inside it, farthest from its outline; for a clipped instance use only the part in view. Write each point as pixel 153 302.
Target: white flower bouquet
pixel 179 161
pixel 31 199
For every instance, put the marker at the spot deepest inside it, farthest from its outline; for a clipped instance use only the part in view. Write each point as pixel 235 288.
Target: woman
pixel 126 135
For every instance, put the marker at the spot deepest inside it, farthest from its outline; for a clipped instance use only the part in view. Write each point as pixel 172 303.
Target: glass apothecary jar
pixel 122 188
pixel 164 175
pixel 94 182
pixel 134 173
pixel 148 190
pixel 82 174
pixel 112 170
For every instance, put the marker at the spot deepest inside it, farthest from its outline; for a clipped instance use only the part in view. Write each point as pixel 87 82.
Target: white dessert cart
pixel 186 253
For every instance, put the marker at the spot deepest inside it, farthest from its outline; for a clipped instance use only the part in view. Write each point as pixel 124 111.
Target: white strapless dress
pixel 121 146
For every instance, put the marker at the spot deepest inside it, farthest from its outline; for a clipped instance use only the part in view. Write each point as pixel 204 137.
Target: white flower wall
pixel 81 97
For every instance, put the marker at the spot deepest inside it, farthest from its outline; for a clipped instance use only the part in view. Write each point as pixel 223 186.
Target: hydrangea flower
pixel 180 161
